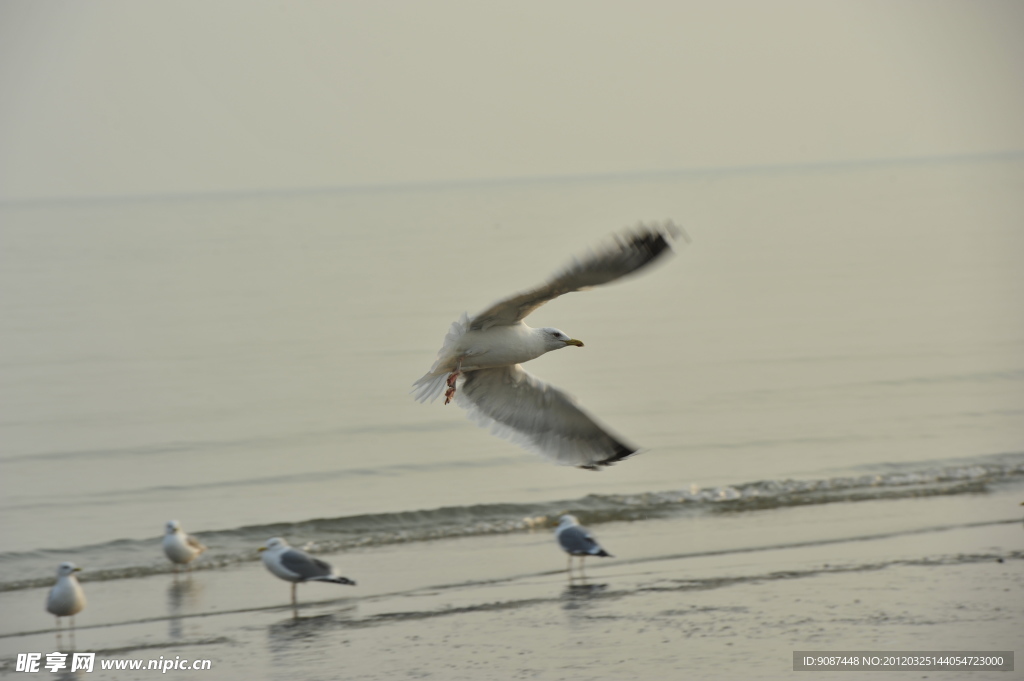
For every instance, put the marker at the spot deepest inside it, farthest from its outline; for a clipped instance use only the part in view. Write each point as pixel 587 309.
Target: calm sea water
pixel 242 364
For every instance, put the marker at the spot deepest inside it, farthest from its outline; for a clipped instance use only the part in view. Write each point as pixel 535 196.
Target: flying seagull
pixel 576 540
pixel 181 548
pixel 481 358
pixel 66 598
pixel 296 566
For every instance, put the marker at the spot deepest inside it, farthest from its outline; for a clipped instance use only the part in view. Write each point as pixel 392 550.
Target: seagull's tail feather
pixel 334 579
pixel 432 384
pixel 603 554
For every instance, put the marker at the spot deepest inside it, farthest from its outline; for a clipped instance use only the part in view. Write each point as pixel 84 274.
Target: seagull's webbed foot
pixel 449 394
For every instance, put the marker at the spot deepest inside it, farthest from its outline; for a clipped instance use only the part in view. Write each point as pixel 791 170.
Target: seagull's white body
pixel 577 540
pixel 469 349
pixel 500 346
pixel 295 566
pixel 66 598
pixel 180 548
pixel 483 355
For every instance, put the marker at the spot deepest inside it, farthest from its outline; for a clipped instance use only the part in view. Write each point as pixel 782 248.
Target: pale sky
pixel 113 98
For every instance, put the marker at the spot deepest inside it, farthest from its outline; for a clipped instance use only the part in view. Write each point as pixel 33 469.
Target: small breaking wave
pixel 127 558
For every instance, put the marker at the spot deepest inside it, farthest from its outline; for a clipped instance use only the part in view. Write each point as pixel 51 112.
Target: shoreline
pixel 462 608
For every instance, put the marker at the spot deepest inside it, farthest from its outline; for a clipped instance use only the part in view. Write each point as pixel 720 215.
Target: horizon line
pixel 418 185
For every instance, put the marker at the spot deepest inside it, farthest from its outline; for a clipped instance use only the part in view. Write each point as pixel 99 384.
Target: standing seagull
pixel 297 566
pixel 485 353
pixel 66 598
pixel 576 540
pixel 180 548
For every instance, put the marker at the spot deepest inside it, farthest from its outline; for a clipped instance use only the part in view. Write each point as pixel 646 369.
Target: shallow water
pixel 242 364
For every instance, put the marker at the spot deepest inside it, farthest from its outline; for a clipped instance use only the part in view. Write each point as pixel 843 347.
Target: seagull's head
pixel 555 339
pixel 273 544
pixel 65 569
pixel 567 520
pixel 172 526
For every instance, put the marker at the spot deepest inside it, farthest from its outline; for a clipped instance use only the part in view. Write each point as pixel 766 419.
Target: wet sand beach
pixel 714 598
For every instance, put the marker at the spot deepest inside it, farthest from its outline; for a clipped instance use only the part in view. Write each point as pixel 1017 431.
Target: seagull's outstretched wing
pixel 535 415
pixel 626 253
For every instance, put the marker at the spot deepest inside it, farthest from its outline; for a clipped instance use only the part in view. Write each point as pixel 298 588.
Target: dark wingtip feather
pixel 643 245
pixel 654 241
pixel 621 451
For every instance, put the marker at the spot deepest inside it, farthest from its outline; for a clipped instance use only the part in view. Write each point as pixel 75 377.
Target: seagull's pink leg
pixel 449 394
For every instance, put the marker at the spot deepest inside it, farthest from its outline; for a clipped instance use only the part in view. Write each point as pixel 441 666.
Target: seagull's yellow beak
pixel 77 569
pixel 261 549
pixel 573 341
